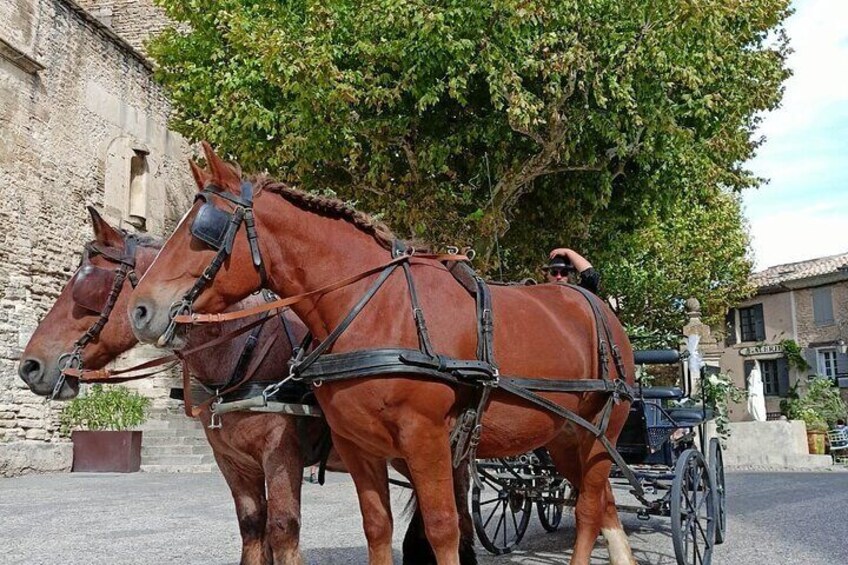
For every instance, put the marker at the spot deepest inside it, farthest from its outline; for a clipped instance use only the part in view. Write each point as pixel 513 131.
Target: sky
pixel 802 213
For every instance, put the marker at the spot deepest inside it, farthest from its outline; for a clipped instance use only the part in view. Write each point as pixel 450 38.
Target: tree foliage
pixel 581 122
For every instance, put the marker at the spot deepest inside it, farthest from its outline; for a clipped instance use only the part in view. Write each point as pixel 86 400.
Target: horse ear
pixel 222 173
pixel 200 176
pixel 104 233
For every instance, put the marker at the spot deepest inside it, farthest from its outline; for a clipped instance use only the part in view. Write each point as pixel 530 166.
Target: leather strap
pixel 194 412
pixel 195 318
pixel 102 374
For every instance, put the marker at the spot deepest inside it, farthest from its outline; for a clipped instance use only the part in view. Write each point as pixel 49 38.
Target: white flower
pixel 714 380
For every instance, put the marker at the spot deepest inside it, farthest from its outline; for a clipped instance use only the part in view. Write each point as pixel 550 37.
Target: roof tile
pixel 780 274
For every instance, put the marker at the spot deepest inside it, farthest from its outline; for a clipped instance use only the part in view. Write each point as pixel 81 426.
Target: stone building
pixel 805 302
pixel 133 20
pixel 81 123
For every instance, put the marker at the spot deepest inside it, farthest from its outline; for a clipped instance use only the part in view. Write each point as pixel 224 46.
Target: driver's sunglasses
pixel 558 272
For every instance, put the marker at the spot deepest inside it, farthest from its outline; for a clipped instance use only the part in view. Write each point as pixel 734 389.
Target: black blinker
pixel 210 225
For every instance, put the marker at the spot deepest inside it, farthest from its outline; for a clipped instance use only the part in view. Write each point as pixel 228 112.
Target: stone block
pixel 24 457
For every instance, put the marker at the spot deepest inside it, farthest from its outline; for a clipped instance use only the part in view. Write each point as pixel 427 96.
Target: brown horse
pixel 257 453
pixel 544 332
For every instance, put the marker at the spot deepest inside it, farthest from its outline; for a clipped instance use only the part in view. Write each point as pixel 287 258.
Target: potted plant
pixel 99 423
pixel 819 407
pixel 816 431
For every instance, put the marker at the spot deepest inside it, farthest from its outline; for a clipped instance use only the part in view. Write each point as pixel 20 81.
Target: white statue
pixel 756 396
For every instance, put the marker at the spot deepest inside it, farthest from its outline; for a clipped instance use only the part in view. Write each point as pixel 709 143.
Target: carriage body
pixel 665 445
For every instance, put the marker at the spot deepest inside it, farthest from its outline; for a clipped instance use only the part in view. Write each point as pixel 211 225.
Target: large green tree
pixel 585 122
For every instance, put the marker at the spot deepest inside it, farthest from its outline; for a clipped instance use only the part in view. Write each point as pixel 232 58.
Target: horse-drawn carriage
pixel 663 442
pixel 527 394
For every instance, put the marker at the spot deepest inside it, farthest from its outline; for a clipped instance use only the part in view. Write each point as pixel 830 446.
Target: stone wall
pixel 133 20
pixel 59 127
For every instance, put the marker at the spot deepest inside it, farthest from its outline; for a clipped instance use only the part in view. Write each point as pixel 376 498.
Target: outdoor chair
pixel 838 440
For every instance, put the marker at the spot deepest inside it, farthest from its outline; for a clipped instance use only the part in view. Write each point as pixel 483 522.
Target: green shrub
pixel 717 391
pixel 105 408
pixel 821 406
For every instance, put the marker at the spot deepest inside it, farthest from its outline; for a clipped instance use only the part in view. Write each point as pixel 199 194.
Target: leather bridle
pixel 242 213
pixel 125 270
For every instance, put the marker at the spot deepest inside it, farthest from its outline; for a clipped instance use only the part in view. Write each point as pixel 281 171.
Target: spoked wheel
pixel 717 467
pixel 501 509
pixel 551 505
pixel 693 513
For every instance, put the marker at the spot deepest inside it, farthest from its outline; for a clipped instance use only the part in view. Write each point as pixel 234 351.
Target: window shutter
pixel 759 322
pixel 749 366
pixel 812 360
pixel 822 306
pixel 782 377
pixel 730 327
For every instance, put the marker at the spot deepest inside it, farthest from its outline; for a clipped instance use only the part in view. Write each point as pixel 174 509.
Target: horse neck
pixel 304 251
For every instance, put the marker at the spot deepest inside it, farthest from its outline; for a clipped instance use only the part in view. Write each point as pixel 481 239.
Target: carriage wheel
pixel 550 507
pixel 717 467
pixel 693 514
pixel 501 510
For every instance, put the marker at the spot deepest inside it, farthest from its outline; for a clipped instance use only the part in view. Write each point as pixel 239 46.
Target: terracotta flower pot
pixel 106 451
pixel 815 442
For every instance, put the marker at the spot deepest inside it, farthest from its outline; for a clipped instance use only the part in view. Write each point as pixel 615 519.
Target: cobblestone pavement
pixel 188 519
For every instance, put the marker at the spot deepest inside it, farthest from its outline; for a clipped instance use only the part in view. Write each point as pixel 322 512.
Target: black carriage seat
pixel 690 416
pixel 656 356
pixel 661 393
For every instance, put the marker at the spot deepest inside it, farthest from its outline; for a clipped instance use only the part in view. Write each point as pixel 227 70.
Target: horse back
pixel 550 331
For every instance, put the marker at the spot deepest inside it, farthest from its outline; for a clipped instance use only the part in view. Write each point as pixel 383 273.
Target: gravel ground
pixel 158 518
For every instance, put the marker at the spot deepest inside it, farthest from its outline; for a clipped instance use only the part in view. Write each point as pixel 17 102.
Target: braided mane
pixel 330 207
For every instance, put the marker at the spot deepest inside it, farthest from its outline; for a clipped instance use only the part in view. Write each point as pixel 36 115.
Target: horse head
pixel 78 331
pixel 210 262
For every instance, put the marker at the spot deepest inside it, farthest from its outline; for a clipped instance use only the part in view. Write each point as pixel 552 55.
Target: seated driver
pixel 567 262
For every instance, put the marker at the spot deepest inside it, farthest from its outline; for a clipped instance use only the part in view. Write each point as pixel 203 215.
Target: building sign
pixel 760 350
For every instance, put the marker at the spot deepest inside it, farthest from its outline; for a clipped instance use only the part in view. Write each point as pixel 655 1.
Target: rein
pixel 73 360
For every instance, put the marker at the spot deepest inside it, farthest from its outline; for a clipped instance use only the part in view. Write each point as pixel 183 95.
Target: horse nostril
pixel 140 315
pixel 30 370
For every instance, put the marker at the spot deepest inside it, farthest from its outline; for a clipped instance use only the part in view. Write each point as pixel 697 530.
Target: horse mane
pixel 330 207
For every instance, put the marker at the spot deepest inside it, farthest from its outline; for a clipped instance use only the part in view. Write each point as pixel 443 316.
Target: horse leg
pixel 284 472
pixel 416 547
pixel 248 491
pixel 617 543
pixel 592 501
pixel 428 456
pixel 371 477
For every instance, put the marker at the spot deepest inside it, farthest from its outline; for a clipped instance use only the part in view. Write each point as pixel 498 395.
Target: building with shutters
pixel 806 302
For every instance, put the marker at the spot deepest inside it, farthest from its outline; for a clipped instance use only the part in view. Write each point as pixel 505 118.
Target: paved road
pixel 89 519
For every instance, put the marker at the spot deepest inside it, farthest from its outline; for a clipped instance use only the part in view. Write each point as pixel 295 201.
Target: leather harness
pixel 73 360
pixel 319 367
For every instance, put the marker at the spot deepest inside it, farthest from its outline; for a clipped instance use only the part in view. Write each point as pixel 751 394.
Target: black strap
pixel 418 314
pixel 244 358
pixel 302 366
pixel 583 423
pixel 485 324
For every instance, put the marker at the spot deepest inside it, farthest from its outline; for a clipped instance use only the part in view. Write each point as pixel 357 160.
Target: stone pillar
pixel 709 347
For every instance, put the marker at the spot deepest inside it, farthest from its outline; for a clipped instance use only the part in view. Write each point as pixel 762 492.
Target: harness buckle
pixel 215 421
